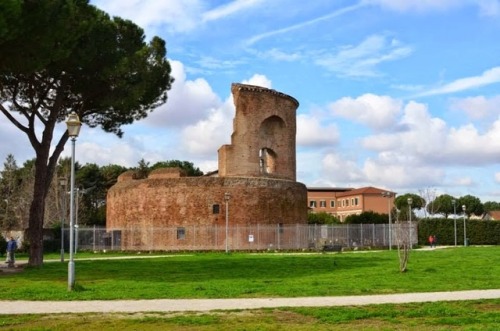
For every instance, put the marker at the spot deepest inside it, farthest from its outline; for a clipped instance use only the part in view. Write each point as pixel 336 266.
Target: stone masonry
pixel 257 171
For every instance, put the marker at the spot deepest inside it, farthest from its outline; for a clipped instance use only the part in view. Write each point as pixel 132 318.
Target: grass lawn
pixel 239 275
pixel 465 315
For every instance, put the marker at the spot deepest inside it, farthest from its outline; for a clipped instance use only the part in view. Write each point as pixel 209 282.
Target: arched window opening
pixel 267 161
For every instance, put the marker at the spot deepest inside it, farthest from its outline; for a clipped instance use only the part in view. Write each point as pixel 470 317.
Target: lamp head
pixel 410 201
pixel 73 125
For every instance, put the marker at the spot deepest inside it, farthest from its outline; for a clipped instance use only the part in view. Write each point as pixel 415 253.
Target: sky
pixel 403 95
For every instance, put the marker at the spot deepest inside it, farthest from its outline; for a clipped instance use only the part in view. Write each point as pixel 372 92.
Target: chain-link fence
pixel 251 237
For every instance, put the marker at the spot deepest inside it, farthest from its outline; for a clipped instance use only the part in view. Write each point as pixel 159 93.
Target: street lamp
pixel 388 195
pixel 465 228
pixel 62 183
pixel 227 196
pixel 410 202
pixel 73 125
pixel 454 202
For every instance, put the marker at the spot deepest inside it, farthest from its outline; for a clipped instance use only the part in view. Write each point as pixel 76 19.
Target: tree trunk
pixel 37 209
pixel 35 230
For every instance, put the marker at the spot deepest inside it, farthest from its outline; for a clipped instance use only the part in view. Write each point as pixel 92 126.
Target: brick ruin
pixel 257 171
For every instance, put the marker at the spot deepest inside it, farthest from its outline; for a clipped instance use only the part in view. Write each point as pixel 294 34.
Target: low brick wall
pixel 187 201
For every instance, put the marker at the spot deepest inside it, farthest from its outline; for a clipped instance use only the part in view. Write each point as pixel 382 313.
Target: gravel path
pixel 183 305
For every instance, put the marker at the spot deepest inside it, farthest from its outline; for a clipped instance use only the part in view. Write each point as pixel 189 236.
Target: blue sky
pixel 397 94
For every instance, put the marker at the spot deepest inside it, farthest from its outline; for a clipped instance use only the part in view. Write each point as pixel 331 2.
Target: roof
pixel 329 189
pixel 364 190
pixel 494 215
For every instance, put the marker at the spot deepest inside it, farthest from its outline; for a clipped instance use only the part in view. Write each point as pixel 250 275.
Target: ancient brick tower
pixel 263 140
pixel 257 171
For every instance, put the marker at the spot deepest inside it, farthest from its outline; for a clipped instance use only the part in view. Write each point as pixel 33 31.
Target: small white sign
pixel 250 238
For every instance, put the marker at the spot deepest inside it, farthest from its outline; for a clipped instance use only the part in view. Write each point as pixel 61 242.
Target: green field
pixel 241 275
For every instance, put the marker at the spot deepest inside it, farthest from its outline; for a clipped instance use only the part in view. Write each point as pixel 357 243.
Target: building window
pixel 322 204
pixel 332 203
pixel 181 233
pixel 312 204
pixel 352 202
pixel 343 202
pixel 356 200
pixel 347 202
pixel 215 209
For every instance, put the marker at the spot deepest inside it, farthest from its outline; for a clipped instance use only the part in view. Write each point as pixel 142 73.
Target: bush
pixel 322 218
pixel 478 232
pixel 3 246
pixel 367 217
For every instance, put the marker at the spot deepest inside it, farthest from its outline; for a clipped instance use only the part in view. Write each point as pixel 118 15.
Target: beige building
pixel 342 202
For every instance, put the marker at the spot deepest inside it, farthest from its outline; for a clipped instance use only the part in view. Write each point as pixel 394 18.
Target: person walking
pixel 11 249
pixel 431 240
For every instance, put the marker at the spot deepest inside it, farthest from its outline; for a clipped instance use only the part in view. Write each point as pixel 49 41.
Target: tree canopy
pixel 60 56
pixel 443 204
pixel 472 205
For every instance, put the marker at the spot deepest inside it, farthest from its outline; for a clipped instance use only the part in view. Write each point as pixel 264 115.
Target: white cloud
pixel 428 140
pixel 229 9
pixel 116 152
pixel 489 7
pixel 175 16
pixel 468 146
pixel 258 80
pixel 278 55
pixel 207 135
pixel 361 60
pixel 488 77
pixel 478 107
pixel 377 112
pixel 401 174
pixel 417 155
pixel 310 132
pixel 210 63
pixel 417 5
pixel 272 33
pixel 486 7
pixel 188 101
pixel 497 177
pixel 464 181
pixel 340 169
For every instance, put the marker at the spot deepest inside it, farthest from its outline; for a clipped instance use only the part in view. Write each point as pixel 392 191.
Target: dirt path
pixel 183 305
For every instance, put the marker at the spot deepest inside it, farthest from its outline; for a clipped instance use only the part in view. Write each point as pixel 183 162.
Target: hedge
pixel 478 232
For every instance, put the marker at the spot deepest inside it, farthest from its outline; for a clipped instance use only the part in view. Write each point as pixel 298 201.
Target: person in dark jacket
pixel 11 249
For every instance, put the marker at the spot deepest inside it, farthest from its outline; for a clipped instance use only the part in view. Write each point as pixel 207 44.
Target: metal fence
pixel 251 237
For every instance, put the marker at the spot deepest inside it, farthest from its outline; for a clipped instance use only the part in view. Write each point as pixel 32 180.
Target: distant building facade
pixel 342 202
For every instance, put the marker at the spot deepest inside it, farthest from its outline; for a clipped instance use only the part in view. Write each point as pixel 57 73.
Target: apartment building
pixel 342 202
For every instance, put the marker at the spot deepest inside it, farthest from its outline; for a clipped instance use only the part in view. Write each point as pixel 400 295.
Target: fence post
pixel 373 234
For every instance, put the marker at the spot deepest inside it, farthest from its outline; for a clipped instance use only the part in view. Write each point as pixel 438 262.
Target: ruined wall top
pixel 255 88
pixel 263 138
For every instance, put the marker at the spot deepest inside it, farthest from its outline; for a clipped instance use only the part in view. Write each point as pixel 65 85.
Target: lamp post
pixel 73 125
pixel 227 196
pixel 388 195
pixel 465 228
pixel 410 202
pixel 454 202
pixel 62 183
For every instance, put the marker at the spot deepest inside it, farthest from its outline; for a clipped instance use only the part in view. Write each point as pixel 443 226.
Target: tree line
pixel 92 183
pixel 440 206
